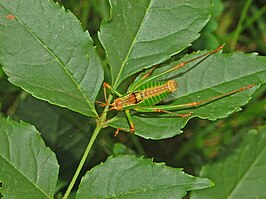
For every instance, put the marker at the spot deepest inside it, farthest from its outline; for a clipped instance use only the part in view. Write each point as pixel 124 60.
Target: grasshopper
pixel 144 95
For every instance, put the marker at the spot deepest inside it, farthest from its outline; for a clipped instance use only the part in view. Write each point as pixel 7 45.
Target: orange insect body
pixel 146 95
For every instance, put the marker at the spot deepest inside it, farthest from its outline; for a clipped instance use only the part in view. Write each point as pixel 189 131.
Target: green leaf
pixel 67 134
pixel 131 177
pixel 1 72
pixel 28 168
pixel 209 39
pixel 45 51
pixel 144 33
pixel 200 80
pixel 240 172
pixel 122 149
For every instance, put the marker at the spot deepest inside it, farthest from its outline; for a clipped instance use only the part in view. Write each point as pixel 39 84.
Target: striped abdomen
pixel 152 93
pixel 147 94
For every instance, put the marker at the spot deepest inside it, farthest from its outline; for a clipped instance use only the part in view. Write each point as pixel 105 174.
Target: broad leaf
pixel 240 172
pixel 131 177
pixel 67 134
pixel 143 33
pixel 45 51
pixel 200 80
pixel 28 168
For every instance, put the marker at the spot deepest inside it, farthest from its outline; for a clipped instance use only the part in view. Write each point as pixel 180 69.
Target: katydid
pixel 144 95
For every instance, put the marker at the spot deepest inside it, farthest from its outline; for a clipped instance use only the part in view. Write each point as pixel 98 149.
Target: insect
pixel 144 95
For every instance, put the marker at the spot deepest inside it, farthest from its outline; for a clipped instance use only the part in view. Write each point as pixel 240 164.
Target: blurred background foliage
pixel 241 25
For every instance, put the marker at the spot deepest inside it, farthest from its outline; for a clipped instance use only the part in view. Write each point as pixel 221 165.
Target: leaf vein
pixel 131 46
pixel 246 172
pixel 60 62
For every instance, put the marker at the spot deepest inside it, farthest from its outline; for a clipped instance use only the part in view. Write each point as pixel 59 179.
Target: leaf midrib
pixel 55 57
pixel 131 46
pixel 151 189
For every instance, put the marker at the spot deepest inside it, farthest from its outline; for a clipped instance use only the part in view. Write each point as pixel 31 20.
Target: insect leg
pixel 148 73
pixel 131 124
pixel 107 86
pixel 174 114
pixel 134 85
pixel 121 129
pixel 180 65
pixel 164 108
pixel 159 109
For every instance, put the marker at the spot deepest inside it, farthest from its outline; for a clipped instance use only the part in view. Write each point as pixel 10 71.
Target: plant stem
pixel 258 13
pixel 240 25
pixel 82 161
pixel 100 125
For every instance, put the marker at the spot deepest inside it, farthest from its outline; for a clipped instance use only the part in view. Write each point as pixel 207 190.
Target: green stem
pixel 100 125
pixel 82 161
pixel 258 13
pixel 240 25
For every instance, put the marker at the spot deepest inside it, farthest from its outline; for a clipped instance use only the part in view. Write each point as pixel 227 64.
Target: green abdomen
pixel 153 92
